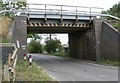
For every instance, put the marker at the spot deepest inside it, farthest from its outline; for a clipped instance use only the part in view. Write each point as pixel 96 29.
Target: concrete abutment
pixel 99 43
pixel 20 34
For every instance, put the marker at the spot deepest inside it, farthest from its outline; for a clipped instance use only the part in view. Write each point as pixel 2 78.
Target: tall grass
pixel 35 73
pixel 4 29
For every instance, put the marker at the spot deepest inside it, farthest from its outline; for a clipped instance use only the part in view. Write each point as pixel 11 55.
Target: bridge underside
pixel 57 25
pixel 39 30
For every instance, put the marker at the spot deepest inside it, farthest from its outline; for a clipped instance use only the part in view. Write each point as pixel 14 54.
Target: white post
pixel 30 60
pixel 25 57
pixel 18 44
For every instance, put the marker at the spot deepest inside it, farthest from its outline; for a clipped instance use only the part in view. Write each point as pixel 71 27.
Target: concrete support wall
pixel 109 42
pixel 20 34
pixel 82 45
pixel 100 42
pixel 98 31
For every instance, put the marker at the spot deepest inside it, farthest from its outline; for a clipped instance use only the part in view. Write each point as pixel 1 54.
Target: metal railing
pixel 9 59
pixel 61 10
pixel 12 59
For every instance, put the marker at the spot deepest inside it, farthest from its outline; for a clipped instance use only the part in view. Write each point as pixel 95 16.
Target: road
pixel 74 69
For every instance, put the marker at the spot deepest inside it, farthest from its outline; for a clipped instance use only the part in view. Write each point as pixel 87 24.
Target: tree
pixel 35 47
pixel 52 45
pixel 13 5
pixel 115 10
pixel 35 37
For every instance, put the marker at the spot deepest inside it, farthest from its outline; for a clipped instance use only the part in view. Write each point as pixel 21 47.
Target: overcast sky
pixel 106 4
pixel 90 3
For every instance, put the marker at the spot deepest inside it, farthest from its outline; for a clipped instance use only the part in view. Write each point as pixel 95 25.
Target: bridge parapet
pixel 33 10
pixel 61 10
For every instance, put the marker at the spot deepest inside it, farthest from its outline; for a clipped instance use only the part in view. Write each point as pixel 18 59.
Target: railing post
pixel 90 15
pixel 9 60
pixel 61 14
pixel 76 15
pixel 45 13
pixel 28 12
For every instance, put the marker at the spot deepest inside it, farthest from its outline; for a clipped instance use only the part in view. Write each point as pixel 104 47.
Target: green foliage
pixel 110 62
pixel 1 5
pixel 37 37
pixel 34 36
pixel 62 54
pixel 115 10
pixel 117 26
pixel 29 36
pixel 14 6
pixel 35 73
pixel 52 45
pixel 5 40
pixel 35 47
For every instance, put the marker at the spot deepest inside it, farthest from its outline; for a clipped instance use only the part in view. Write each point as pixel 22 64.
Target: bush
pixel 117 26
pixel 35 47
pixel 5 40
pixel 110 62
pixel 61 54
pixel 52 45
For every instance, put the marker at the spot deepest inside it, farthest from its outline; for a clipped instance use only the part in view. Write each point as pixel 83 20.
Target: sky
pixel 106 4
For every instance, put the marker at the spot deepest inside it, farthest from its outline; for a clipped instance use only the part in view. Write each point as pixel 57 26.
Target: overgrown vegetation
pixel 0 5
pixel 35 73
pixel 35 47
pixel 52 45
pixel 110 62
pixel 4 22
pixel 115 11
pixel 61 54
pixel 35 37
pixel 6 18
pixel 4 29
pixel 15 5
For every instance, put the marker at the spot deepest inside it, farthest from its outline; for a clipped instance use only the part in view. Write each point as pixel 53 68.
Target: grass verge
pixel 61 54
pixel 35 73
pixel 109 62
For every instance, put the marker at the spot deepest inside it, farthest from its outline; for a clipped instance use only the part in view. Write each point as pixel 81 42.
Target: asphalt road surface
pixel 74 69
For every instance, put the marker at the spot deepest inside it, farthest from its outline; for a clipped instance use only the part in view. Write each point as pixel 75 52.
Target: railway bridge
pixel 90 37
